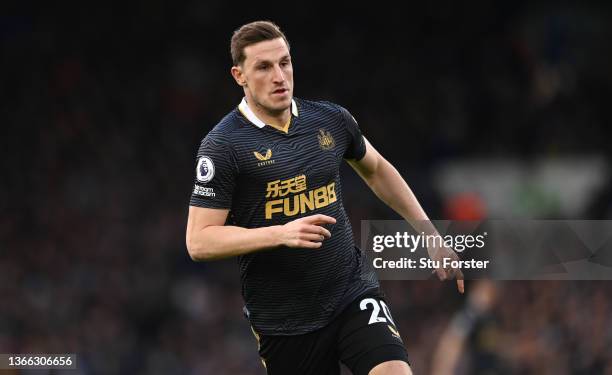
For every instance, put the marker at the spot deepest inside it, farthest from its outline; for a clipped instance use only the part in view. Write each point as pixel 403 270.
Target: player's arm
pixel 388 185
pixel 208 238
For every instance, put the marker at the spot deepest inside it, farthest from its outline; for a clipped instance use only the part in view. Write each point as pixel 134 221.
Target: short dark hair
pixel 252 33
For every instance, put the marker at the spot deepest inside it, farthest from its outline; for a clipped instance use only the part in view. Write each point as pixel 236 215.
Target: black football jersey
pixel 266 177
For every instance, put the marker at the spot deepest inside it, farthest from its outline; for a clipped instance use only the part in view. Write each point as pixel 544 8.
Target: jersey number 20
pixel 376 307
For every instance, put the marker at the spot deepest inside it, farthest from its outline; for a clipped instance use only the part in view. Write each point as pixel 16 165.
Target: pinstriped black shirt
pixel 267 177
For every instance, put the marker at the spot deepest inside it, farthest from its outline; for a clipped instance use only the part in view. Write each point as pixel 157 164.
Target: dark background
pixel 103 108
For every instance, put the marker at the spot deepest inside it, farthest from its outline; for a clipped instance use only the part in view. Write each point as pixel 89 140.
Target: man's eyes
pixel 266 66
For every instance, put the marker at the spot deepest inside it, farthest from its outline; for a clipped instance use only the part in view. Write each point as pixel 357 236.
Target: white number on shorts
pixel 387 312
pixel 374 318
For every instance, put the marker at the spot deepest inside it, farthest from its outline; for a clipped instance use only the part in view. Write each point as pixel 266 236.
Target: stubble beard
pixel 270 110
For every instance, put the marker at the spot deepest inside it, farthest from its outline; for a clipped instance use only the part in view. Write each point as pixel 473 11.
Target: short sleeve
pixel 356 148
pixel 215 175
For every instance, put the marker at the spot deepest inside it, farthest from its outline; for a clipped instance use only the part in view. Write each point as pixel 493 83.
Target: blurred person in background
pixel 473 327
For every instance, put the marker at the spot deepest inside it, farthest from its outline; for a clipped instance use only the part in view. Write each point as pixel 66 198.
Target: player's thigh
pixel 310 354
pixel 368 336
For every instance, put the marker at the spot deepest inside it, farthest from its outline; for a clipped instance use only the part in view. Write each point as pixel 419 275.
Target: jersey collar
pixel 246 111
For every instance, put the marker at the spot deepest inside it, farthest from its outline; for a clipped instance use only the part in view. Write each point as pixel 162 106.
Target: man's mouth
pixel 280 91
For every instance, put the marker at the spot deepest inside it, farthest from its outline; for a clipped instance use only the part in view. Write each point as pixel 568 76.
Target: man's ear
pixel 236 72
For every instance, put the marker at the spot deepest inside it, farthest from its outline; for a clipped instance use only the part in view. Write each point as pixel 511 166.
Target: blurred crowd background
pixel 489 110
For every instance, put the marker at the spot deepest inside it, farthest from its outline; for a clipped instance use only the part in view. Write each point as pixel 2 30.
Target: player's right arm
pixel 209 239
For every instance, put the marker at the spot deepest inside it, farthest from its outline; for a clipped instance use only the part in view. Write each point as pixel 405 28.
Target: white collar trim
pixel 246 111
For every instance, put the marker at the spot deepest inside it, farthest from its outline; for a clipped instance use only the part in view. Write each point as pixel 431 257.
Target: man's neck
pixel 279 121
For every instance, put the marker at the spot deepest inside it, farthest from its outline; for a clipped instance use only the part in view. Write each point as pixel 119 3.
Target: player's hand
pixel 306 232
pixel 448 273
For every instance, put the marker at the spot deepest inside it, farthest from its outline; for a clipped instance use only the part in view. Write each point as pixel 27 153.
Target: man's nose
pixel 279 76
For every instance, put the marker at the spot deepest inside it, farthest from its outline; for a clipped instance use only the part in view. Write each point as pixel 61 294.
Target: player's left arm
pixel 388 185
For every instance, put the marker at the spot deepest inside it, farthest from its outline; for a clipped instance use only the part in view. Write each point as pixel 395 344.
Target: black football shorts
pixel 362 336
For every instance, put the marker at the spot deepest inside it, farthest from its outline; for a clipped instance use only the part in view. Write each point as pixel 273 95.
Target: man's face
pixel 267 75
